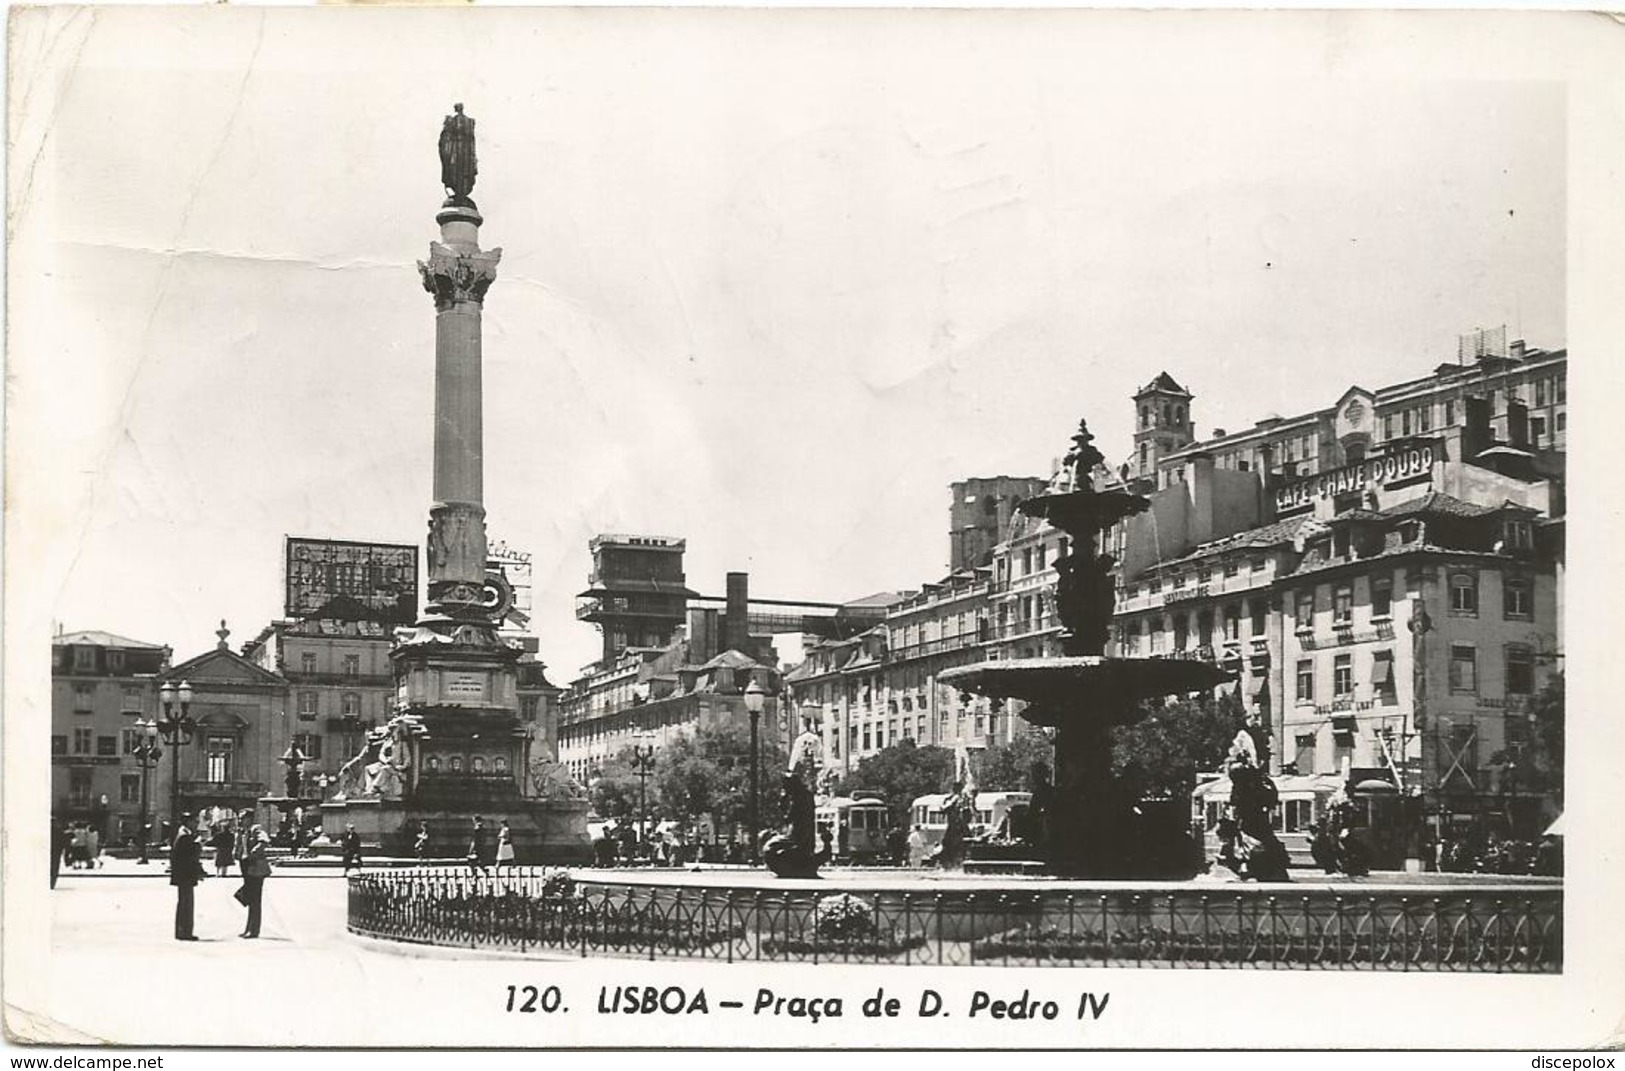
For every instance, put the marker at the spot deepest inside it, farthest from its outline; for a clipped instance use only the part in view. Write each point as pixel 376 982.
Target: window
pixel 79 786
pixel 1157 640
pixel 1257 565
pixel 1306 681
pixel 115 661
pixel 478 765
pixel 1131 638
pixel 1425 418
pixel 1382 678
pixel 217 758
pixel 129 788
pixel 1154 586
pixel 1382 596
pixel 1405 422
pixel 1520 670
pixel 1540 392
pixel 1464 593
pixel 1450 413
pixel 59 744
pixel 1410 532
pixel 1231 567
pixel 1259 610
pixel 1343 675
pixel 866 740
pixel 1179 581
pixel 528 705
pixel 307 706
pixel 500 764
pixel 352 665
pixel 107 747
pixel 310 744
pixel 1388 426
pixel 307 662
pixel 131 701
pixel 350 705
pixel 1232 622
pixel 1343 604
pixel 1027 561
pixel 1537 429
pixel 1516 597
pixel 1304 752
pixel 1519 535
pixel 1463 668
pixel 1182 628
pixel 84 698
pixel 83 741
pixel 84 659
pixel 1306 610
pixel 1562 390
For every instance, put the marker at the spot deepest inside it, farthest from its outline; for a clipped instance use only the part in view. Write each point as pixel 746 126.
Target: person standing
pixel 256 868
pixel 225 852
pixel 93 848
pixel 504 845
pixel 918 847
pixel 421 843
pixel 477 846
pixel 185 871
pixel 351 843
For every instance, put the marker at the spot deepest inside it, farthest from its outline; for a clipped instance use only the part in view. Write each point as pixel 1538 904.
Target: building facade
pixel 102 685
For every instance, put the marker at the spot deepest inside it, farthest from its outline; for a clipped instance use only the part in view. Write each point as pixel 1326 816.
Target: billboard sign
pixel 342 580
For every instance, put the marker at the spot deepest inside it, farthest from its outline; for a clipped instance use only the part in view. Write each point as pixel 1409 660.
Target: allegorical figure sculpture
pixel 458 166
pixel 792 854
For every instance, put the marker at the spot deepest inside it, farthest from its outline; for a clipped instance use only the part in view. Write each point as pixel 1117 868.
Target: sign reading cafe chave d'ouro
pixel 1411 464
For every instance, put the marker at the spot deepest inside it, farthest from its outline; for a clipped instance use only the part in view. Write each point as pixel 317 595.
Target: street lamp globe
pixel 186 693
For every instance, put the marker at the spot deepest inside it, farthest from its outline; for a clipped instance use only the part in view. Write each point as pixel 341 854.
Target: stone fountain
pixel 1090 829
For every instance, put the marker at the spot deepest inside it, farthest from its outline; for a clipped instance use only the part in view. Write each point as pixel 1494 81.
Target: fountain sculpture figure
pixel 1089 830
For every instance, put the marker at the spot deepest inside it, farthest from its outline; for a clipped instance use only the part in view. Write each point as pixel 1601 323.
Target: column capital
pixel 455 277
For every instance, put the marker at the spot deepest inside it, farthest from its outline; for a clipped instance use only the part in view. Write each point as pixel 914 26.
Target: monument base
pixel 544 832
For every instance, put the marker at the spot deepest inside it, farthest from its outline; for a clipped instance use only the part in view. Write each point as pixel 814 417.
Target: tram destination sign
pixel 1408 465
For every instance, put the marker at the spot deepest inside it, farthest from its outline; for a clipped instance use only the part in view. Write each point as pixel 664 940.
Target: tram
pixel 859 828
pixel 998 814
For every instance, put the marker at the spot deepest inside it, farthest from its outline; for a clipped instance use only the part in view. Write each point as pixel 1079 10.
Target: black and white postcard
pixel 744 528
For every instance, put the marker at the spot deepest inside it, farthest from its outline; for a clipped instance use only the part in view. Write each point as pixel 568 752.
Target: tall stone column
pixel 458 273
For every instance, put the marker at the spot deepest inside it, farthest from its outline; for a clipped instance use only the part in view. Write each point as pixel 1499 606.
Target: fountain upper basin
pixel 1063 688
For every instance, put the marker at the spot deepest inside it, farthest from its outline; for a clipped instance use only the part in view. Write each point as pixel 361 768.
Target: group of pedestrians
pixel 247 846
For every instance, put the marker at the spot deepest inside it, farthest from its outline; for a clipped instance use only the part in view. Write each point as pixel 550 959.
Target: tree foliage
pixel 613 791
pixel 707 773
pixel 899 774
pixel 1163 752
pixel 1546 717
pixel 1007 767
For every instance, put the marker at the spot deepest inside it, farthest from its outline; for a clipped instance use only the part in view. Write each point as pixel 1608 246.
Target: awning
pixel 1376 785
pixel 1382 671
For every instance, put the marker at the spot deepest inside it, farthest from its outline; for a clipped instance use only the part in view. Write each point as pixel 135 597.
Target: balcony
pixel 353 680
pixel 254 789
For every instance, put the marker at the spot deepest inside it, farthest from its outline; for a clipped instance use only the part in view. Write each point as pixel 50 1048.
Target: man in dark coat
pixel 351 843
pixel 185 871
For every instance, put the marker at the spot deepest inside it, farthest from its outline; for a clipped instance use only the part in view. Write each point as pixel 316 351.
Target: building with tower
pixel 636 594
pixel 1163 424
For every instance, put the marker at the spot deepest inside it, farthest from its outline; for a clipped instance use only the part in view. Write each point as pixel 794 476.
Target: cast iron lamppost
pixel 147 753
pixel 643 764
pixel 754 698
pixel 177 728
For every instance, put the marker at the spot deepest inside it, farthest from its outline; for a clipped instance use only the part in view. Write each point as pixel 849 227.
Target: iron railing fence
pixel 1480 929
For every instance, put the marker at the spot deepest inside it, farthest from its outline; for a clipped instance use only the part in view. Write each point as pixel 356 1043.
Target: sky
pixel 770 280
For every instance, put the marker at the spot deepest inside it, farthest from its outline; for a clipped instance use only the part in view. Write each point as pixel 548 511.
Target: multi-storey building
pixel 340 684
pixel 636 592
pixel 979 513
pixel 1307 555
pixel 101 686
